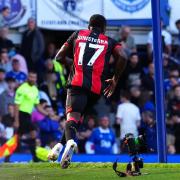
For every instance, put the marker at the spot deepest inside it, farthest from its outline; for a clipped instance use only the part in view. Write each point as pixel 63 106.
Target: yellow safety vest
pixel 59 69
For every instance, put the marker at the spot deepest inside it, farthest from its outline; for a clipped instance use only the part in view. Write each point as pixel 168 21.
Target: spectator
pixel 5 62
pixel 50 51
pixel 2 133
pixel 166 66
pixel 133 71
pixel 85 132
pixel 127 40
pixel 49 128
pixel 170 126
pixel 54 82
pixel 3 84
pixel 176 119
pixel 18 75
pixel 177 53
pixel 27 97
pixel 5 12
pixel 8 122
pixel 7 97
pixel 22 62
pixel 166 42
pixel 128 116
pixel 58 69
pixel 102 139
pixel 43 95
pixel 148 80
pixel 148 129
pixel 135 93
pixel 174 103
pixel 172 80
pixel 5 43
pixel 36 114
pixel 101 108
pixel 32 46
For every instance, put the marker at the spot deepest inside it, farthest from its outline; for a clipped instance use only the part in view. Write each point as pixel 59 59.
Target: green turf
pixel 83 171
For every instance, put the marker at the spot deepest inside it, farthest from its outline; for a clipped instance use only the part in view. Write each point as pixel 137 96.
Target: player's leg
pixel 75 104
pixel 32 144
pixel 27 127
pixel 70 132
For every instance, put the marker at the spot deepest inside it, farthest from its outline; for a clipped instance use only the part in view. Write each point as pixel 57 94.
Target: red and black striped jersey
pixel 92 51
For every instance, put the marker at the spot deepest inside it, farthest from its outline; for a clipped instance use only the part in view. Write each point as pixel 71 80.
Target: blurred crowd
pixel 130 110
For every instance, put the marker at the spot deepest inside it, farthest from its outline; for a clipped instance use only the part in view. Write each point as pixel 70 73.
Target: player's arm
pixel 16 116
pixel 121 60
pixel 61 54
pixel 66 47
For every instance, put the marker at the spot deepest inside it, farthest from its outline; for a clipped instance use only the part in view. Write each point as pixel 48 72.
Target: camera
pixel 136 145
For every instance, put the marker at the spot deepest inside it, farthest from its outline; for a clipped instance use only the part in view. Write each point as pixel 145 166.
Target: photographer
pixel 148 129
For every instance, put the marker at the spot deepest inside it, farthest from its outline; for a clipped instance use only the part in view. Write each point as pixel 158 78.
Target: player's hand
pixel 110 88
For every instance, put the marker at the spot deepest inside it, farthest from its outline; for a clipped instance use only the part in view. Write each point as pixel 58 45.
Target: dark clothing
pixel 148 83
pixel 25 123
pixel 150 136
pixel 7 120
pixel 32 47
pixel 177 135
pixel 92 51
pixel 174 106
pixel 26 126
pixel 132 75
pixel 80 100
pixel 6 44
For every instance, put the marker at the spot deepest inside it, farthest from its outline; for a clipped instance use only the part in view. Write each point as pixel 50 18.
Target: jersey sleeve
pixel 70 40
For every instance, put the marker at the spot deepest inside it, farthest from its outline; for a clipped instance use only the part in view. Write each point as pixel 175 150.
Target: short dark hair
pixel 133 54
pixel 97 21
pixel 125 94
pixel 15 61
pixel 177 22
pixel 176 86
pixel 10 79
pixel 32 71
pixel 41 101
pixel 4 8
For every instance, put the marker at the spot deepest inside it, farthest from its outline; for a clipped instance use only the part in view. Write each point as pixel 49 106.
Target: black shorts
pixel 25 123
pixel 80 100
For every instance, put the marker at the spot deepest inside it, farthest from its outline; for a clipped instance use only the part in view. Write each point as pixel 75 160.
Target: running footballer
pixel 87 80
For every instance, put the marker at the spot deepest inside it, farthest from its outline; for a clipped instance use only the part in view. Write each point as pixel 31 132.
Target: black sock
pixel 63 139
pixel 70 130
pixel 32 147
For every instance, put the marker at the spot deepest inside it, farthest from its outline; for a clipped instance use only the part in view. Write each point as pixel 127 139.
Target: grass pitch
pixel 84 171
